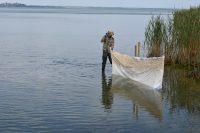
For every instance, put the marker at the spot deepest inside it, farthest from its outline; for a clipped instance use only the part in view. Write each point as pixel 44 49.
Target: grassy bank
pixel 178 38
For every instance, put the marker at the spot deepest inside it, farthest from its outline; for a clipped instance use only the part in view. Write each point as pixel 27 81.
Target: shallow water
pixel 51 80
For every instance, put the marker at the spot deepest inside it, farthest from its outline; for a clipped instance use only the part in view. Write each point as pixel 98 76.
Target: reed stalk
pixel 178 38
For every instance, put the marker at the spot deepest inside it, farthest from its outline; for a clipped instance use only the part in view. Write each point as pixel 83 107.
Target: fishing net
pixel 148 71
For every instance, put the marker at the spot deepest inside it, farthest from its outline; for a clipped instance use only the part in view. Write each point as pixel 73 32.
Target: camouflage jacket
pixel 107 43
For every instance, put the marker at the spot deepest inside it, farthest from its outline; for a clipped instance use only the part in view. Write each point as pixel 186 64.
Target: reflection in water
pixel 140 95
pixel 107 96
pixel 181 92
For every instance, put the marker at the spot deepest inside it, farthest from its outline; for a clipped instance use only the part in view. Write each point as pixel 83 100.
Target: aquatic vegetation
pixel 178 38
pixel 155 37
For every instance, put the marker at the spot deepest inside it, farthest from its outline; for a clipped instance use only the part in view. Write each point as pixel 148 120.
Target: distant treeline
pixel 88 7
pixel 178 38
pixel 12 5
pixel 28 6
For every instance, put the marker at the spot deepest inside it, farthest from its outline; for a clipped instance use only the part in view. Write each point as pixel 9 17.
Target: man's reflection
pixel 107 96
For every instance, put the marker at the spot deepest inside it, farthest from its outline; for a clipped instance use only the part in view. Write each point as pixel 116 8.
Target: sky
pixel 113 3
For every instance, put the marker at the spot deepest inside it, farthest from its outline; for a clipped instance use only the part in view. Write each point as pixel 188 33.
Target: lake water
pixel 51 79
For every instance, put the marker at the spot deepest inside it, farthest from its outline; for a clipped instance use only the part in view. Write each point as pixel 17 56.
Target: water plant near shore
pixel 178 38
pixel 155 37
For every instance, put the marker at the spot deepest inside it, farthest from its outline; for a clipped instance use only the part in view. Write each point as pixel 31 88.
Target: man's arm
pixel 103 39
pixel 112 44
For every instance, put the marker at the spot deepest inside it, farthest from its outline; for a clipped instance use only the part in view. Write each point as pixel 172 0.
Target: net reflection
pixel 140 95
pixel 107 95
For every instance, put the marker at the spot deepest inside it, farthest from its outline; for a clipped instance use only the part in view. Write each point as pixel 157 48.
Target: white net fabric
pixel 148 71
pixel 140 94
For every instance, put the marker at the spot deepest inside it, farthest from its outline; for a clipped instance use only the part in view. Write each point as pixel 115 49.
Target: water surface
pixel 51 79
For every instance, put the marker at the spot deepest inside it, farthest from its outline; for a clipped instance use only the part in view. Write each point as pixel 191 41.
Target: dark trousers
pixel 104 59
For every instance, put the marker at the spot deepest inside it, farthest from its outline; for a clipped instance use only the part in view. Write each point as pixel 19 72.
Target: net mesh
pixel 148 71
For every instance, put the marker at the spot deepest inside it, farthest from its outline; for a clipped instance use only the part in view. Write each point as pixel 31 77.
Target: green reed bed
pixel 155 36
pixel 178 38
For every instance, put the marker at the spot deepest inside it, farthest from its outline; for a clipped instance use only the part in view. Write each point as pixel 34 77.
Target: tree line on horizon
pixel 12 5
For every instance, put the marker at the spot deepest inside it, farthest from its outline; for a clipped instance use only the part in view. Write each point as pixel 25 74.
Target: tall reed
pixel 155 37
pixel 178 38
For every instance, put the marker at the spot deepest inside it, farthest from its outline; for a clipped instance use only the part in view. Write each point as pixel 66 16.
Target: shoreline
pixel 88 10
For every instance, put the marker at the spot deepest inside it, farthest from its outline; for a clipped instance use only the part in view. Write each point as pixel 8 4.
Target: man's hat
pixel 110 33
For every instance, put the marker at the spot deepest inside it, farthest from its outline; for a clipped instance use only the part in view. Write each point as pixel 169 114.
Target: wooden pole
pixel 138 49
pixel 135 50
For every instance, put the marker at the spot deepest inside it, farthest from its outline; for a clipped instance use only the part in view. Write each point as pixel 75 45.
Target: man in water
pixel 108 44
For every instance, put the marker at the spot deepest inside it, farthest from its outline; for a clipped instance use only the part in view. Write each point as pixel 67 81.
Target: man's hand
pixel 103 39
pixel 112 47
